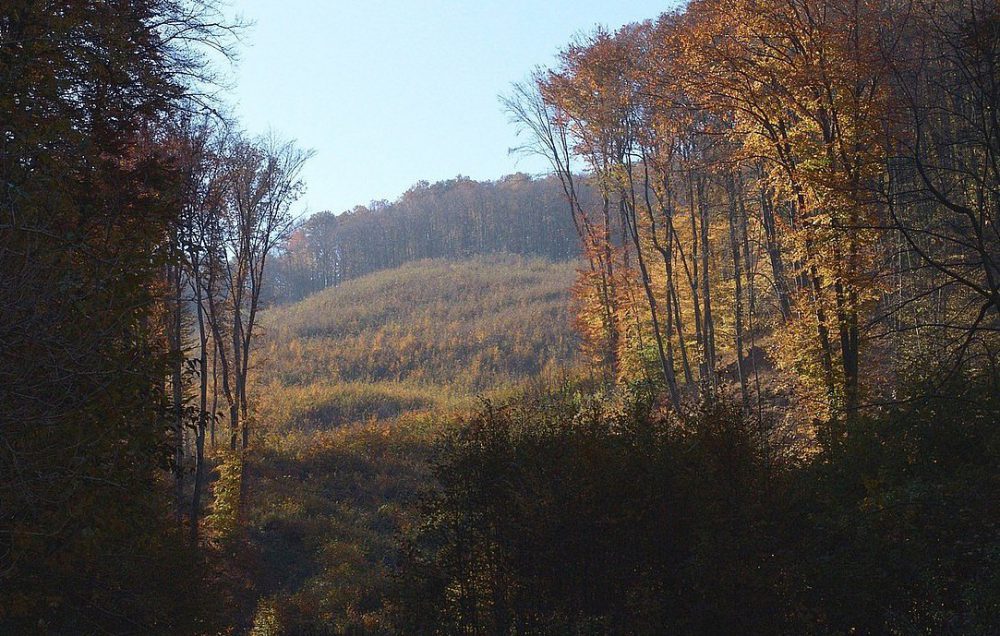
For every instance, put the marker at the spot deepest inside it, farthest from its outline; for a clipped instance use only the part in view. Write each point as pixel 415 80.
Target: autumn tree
pixel 549 134
pixel 86 211
pixel 262 182
pixel 941 187
pixel 198 146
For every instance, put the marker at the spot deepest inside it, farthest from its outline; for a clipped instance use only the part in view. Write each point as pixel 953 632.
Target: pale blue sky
pixel 390 92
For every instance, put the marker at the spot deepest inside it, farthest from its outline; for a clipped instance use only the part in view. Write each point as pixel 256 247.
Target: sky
pixel 392 92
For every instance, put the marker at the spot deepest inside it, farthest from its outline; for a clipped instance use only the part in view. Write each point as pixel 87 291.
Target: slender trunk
pixel 234 406
pixel 682 342
pixel 666 366
pixel 255 289
pixel 610 296
pixel 811 277
pixel 199 466
pixel 822 326
pixel 215 390
pixel 675 239
pixel 823 332
pixel 852 347
pixel 245 418
pixel 228 379
pixel 224 363
pixel 750 265
pixel 847 318
pixel 709 329
pixel 694 283
pixel 630 212
pixel 738 293
pixel 774 255
pixel 176 365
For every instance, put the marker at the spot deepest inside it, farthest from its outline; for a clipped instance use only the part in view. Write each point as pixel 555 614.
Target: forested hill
pixel 457 218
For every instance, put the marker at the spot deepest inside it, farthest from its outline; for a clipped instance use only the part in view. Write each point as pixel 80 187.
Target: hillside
pixel 459 218
pixel 727 362
pixel 359 381
pixel 419 336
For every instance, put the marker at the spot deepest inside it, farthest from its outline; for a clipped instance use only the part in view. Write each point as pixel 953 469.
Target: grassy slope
pixel 355 383
pixel 419 337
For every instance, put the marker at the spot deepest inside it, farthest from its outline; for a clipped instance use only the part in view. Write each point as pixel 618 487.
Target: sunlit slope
pixel 408 338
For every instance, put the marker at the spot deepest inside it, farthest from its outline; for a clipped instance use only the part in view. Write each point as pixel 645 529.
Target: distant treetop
pixel 457 218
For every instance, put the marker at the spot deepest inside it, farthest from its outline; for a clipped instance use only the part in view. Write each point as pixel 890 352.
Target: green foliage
pixel 225 515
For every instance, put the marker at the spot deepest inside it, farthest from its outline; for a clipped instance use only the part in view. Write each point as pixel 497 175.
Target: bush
pixel 571 514
pixel 594 515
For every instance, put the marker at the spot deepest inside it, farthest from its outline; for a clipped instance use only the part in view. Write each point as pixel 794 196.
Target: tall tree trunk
pixel 199 466
pixel 738 294
pixel 666 366
pixel 666 252
pixel 176 380
pixel 692 275
pixel 682 343
pixel 767 218
pixel 610 296
pixel 215 390
pixel 709 328
pixel 750 264
pixel 234 405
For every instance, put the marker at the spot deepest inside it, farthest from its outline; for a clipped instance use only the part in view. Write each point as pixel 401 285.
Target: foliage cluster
pixel 821 170
pixel 354 384
pixel 324 405
pixel 88 198
pixel 562 514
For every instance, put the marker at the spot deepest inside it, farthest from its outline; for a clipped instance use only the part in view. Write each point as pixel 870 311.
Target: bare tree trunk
pixel 709 329
pixel 666 366
pixel 738 294
pixel 215 389
pixel 774 255
pixel 750 264
pixel 811 277
pixel 693 282
pixel 682 344
pixel 848 328
pixel 222 358
pixel 666 252
pixel 822 329
pixel 609 297
pixel 176 384
pixel 199 466
pixel 234 406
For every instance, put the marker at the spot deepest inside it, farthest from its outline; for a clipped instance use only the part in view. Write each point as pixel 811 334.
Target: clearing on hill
pixel 424 335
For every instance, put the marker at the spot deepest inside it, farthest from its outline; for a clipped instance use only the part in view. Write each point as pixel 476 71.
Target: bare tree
pixel 202 168
pixel 262 183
